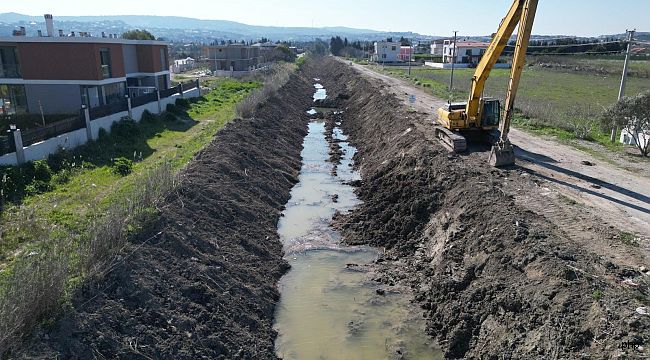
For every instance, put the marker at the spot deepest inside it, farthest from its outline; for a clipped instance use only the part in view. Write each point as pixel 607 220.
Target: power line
pixel 573 45
pixel 580 53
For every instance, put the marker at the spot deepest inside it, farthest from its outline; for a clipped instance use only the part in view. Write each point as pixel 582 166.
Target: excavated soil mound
pixel 205 288
pixel 494 279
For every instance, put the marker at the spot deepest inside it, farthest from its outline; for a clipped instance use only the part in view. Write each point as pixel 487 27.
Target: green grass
pixel 71 206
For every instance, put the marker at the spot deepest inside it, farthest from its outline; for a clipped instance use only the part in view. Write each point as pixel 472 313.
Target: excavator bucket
pixel 502 154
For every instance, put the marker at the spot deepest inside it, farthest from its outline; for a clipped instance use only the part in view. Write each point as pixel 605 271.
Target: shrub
pixel 126 128
pixel 62 177
pixel 38 187
pixel 182 103
pixel 147 116
pixel 60 160
pixel 169 117
pixel 122 166
pixel 102 133
pixel 42 171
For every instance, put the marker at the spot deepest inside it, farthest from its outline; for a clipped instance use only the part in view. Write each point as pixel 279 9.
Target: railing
pixel 144 99
pixel 32 136
pixel 169 92
pixel 6 144
pixel 109 109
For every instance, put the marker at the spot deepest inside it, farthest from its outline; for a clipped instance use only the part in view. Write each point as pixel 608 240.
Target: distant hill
pixel 191 29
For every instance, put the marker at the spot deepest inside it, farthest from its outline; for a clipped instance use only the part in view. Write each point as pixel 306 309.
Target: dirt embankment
pixel 494 279
pixel 205 287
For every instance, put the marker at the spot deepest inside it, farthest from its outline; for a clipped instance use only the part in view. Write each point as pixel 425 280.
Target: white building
pixel 437 47
pixel 386 51
pixel 183 65
pixel 642 137
pixel 466 52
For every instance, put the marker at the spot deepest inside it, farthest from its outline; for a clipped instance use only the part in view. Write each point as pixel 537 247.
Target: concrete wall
pixel 76 138
pixel 56 99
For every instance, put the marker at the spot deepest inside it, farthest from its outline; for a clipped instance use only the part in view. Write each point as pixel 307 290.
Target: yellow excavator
pixel 479 115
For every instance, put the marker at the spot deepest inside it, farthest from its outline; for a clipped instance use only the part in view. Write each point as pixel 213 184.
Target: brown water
pixel 328 308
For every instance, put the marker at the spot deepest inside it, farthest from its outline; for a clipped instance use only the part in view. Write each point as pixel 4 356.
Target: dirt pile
pixel 205 286
pixel 494 279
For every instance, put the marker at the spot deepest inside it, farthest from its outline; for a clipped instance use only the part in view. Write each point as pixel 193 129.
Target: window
pixel 163 59
pixel 9 66
pixel 105 60
pixel 468 52
pixel 90 96
pixel 393 48
pixel 12 100
pixel 114 92
pixel 383 56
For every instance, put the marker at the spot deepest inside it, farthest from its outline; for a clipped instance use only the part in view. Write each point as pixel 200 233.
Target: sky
pixel 430 17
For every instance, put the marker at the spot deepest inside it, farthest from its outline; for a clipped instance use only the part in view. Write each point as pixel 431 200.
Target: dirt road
pixel 590 196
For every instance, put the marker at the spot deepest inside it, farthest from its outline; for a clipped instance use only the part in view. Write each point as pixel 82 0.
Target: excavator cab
pixel 491 113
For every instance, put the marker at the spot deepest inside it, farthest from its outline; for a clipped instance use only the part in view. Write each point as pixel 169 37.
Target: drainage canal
pixel 329 308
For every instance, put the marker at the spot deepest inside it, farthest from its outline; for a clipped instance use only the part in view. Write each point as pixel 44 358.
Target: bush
pixel 60 160
pixel 122 166
pixel 38 187
pixel 147 116
pixel 169 117
pixel 126 128
pixel 42 171
pixel 62 177
pixel 182 103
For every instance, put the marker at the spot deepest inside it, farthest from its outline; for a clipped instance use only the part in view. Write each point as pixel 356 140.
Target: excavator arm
pixel 492 54
pixel 502 152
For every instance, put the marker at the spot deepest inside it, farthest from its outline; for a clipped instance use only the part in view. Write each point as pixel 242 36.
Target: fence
pixel 108 109
pixel 35 135
pixel 6 145
pixel 144 99
pixel 39 142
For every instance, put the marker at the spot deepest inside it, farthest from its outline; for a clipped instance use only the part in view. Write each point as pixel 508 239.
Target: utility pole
pixel 453 64
pixel 410 50
pixel 621 91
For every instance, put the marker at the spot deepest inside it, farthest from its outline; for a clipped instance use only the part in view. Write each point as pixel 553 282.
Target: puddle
pixel 320 93
pixel 329 309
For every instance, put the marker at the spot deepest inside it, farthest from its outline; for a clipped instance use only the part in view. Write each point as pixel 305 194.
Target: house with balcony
pixel 58 73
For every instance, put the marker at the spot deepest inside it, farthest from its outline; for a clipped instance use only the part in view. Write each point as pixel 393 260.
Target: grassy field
pixel 51 242
pixel 563 103
pixel 92 181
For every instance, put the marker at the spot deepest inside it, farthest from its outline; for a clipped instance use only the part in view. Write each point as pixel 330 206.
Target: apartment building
pixel 232 57
pixel 58 73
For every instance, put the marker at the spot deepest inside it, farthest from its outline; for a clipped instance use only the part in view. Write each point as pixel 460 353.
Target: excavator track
pixel 451 140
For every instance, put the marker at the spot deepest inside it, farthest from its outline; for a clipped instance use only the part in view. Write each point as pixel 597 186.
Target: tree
pixel 138 34
pixel 632 114
pixel 336 45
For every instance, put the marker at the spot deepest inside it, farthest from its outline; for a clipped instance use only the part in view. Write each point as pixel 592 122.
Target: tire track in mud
pixel 206 287
pixel 493 279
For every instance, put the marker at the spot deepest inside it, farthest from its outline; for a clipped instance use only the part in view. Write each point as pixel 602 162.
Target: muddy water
pixel 329 308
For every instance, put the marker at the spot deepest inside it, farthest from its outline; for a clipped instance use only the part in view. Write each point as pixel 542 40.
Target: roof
pixel 78 40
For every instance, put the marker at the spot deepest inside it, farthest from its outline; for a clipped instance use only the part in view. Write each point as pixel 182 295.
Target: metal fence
pixel 109 109
pixel 6 144
pixel 169 92
pixel 32 136
pixel 144 99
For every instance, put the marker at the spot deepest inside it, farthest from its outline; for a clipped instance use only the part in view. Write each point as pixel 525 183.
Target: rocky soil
pixel 494 279
pixel 203 283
